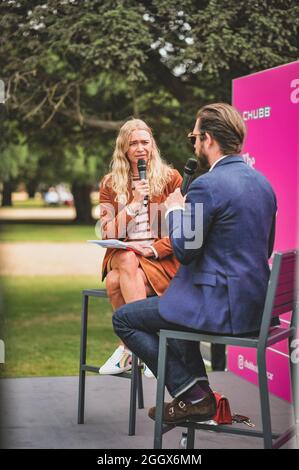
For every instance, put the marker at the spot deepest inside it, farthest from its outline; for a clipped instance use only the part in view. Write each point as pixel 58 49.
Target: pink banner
pixel 269 104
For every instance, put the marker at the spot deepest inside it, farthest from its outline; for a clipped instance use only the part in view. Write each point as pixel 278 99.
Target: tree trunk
pixel 81 193
pixel 31 188
pixel 8 188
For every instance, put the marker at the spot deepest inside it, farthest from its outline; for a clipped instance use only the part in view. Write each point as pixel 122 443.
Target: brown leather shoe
pixel 179 411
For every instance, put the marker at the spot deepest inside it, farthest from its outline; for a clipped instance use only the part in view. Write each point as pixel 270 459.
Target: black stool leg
pixel 133 395
pixel 162 358
pixel 81 398
pixel 140 388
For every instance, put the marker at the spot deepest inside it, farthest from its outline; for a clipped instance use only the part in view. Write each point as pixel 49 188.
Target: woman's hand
pixel 141 190
pixel 144 250
pixel 147 252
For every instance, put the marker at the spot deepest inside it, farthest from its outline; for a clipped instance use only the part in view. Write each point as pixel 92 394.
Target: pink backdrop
pixel 269 104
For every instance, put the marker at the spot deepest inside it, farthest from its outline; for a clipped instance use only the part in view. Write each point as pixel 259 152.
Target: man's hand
pixel 175 199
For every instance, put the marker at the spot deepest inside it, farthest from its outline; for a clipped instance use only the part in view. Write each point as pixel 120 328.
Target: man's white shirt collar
pixel 219 159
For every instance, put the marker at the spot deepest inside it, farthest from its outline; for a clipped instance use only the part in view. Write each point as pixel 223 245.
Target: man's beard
pixel 203 162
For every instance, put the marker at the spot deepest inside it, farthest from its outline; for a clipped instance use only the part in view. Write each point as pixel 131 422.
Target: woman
pixel 126 215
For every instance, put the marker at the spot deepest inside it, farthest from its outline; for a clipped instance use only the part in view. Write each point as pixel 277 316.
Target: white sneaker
pixel 147 372
pixel 120 361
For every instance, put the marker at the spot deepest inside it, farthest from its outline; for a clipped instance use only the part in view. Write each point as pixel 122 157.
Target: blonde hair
pixel 225 125
pixel 158 171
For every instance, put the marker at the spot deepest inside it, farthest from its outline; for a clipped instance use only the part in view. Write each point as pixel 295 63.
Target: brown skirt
pixel 158 277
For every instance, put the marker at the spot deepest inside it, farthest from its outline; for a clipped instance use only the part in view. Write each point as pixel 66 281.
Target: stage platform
pixel 42 413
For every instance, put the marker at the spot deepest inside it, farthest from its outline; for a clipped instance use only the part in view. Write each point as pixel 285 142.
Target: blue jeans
pixel 138 324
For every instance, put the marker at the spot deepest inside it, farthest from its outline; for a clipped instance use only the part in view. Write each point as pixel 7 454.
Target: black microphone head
pixel 141 165
pixel 189 170
pixel 190 167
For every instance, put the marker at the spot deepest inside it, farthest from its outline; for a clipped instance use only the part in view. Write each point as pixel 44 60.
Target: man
pixel 221 285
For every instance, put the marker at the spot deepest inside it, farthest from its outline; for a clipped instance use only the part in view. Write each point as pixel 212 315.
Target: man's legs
pixel 138 324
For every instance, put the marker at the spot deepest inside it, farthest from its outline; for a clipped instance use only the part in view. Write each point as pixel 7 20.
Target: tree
pixel 75 70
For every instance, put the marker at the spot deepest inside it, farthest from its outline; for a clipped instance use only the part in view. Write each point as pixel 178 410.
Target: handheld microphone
pixel 189 170
pixel 141 165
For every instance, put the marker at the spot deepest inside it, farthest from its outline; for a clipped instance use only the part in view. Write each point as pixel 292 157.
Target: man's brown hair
pixel 224 123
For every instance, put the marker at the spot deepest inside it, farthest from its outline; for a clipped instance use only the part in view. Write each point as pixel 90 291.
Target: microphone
pixel 189 170
pixel 141 165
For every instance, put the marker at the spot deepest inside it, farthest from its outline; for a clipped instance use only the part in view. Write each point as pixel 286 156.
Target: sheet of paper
pixel 113 243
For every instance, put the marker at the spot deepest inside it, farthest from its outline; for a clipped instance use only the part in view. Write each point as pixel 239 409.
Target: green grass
pixel 18 232
pixel 39 203
pixel 28 204
pixel 42 326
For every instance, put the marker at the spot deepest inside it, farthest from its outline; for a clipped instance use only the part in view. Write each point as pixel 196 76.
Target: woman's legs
pixel 125 283
pixel 132 280
pixel 113 289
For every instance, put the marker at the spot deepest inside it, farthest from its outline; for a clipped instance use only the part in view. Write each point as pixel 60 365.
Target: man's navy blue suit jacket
pixel 221 285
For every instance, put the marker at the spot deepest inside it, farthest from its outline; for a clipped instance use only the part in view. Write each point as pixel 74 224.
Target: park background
pixel 73 72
